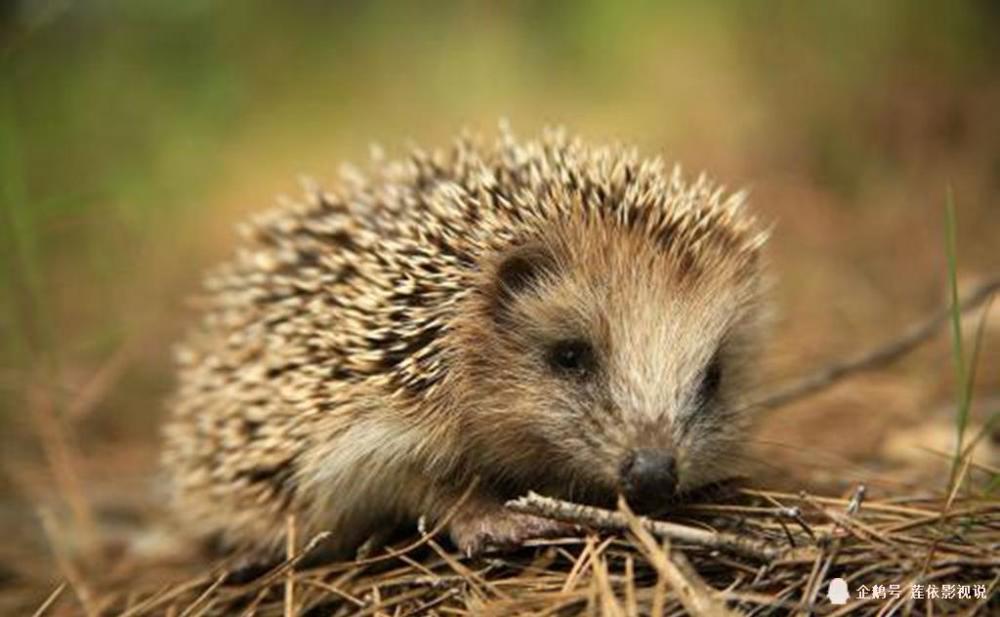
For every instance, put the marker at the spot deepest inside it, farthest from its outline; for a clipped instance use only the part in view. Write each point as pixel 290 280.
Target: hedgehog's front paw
pixel 503 530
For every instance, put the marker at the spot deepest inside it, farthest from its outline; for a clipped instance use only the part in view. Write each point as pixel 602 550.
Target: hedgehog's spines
pixel 353 288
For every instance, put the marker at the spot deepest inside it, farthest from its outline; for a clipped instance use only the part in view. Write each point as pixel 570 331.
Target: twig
pixel 631 604
pixel 290 574
pixel 393 553
pixel 289 564
pixel 817 576
pixel 100 383
pixel 334 589
pixel 601 581
pixel 694 593
pixel 252 608
pixel 49 601
pixel 63 463
pixel 876 357
pixel 69 570
pixel 204 596
pixel 170 593
pixel 471 577
pixel 587 555
pixel 607 520
pixel 424 607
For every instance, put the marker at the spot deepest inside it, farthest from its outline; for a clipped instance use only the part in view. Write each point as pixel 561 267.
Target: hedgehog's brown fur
pixel 371 351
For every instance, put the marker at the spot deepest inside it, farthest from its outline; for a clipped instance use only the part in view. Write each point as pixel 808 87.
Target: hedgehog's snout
pixel 649 478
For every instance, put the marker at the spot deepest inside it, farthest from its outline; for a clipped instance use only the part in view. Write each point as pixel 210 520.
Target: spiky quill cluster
pixel 339 308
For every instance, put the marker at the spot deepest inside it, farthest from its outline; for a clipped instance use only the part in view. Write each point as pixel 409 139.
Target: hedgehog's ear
pixel 519 270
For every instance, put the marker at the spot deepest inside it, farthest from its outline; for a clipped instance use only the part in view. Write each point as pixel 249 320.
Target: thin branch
pixel 63 463
pixel 817 576
pixel 608 520
pixel 289 564
pixel 65 564
pixel 290 547
pixel 671 566
pixel 50 600
pixel 97 387
pixel 878 356
pixel 204 596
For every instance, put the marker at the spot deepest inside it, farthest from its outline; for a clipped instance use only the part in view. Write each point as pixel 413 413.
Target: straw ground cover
pixel 790 547
pixel 745 551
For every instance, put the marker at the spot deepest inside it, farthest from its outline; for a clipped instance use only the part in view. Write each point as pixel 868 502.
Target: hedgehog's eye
pixel 571 357
pixel 711 379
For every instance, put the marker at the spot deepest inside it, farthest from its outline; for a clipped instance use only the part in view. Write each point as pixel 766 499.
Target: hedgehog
pixel 443 333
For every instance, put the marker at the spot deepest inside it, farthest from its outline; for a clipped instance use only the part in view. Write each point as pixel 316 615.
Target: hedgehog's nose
pixel 649 478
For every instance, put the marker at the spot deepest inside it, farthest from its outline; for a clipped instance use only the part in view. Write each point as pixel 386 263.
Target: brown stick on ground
pixel 290 547
pixel 878 356
pixel 695 594
pixel 607 520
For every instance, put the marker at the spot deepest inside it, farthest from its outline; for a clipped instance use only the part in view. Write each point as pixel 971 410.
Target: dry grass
pixel 747 551
pixel 904 541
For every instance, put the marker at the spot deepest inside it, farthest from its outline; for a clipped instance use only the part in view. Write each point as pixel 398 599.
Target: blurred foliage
pixel 129 128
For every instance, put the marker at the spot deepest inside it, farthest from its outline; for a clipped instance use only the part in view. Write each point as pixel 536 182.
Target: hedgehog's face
pixel 612 369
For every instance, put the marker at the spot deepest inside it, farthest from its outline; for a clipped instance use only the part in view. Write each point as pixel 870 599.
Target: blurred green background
pixel 134 134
